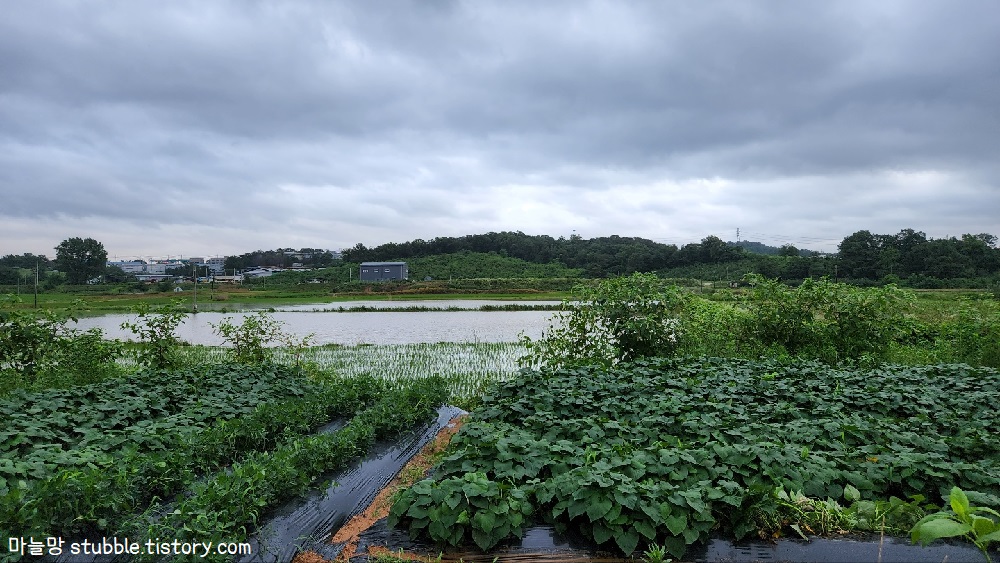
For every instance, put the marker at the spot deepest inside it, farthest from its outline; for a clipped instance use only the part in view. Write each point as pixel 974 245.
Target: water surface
pixel 383 327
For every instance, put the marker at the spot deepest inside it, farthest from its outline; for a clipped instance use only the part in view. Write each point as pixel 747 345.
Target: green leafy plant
pixel 155 328
pixel 232 501
pixel 668 449
pixel 978 524
pixel 656 554
pixel 821 319
pixel 894 516
pixel 39 350
pixel 470 506
pixel 616 320
pixel 115 445
pixel 252 341
pixel 975 334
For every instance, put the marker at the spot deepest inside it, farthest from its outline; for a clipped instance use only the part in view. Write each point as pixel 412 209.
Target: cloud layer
pixel 218 128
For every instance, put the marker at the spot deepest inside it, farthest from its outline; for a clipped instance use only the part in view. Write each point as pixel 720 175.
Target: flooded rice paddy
pixel 439 322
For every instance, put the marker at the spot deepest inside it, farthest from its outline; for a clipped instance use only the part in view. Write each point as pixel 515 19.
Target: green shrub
pixel 616 320
pixel 39 351
pixel 155 330
pixel 829 321
pixel 975 334
pixel 250 340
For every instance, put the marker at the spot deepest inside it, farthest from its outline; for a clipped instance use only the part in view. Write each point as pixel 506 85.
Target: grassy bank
pixel 236 298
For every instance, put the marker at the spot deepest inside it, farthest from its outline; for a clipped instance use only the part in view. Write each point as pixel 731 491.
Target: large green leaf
pixel 983 526
pixel 676 523
pixel 627 540
pixel 645 528
pixel 602 533
pixel 484 520
pixel 598 508
pixel 959 502
pixel 930 530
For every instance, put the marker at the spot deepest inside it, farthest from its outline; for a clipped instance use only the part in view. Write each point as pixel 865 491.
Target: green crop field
pixel 667 451
pixel 655 417
pixel 196 454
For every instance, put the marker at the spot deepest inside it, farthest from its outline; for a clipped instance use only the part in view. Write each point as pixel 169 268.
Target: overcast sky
pixel 205 128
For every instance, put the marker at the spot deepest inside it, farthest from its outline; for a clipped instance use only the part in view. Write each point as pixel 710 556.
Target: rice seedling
pixel 468 368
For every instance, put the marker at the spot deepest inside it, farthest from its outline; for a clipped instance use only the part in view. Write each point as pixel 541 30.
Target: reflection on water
pixel 443 304
pixel 311 520
pixel 390 327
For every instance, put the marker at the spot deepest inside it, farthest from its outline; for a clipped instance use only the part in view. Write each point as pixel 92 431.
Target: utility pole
pixel 194 307
pixel 36 284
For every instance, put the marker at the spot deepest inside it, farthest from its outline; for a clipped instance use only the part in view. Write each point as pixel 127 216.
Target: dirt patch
pixel 412 472
pixel 309 557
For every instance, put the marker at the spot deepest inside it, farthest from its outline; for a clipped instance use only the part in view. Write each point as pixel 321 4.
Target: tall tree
pixel 910 244
pixel 81 259
pixel 859 255
pixel 788 250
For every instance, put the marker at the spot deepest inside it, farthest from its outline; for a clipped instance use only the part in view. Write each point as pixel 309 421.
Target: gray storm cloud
pixel 230 126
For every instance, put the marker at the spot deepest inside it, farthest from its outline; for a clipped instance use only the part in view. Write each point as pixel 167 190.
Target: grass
pixel 937 305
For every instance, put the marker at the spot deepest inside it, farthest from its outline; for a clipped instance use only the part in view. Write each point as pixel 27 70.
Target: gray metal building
pixel 384 271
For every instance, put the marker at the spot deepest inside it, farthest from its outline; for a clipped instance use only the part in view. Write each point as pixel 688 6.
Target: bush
pixel 614 321
pixel 828 321
pixel 40 351
pixel 711 328
pixel 975 335
pixel 250 340
pixel 155 329
pixel 622 319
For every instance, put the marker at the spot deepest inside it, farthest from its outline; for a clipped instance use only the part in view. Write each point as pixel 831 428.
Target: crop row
pixel 668 450
pixel 97 497
pixel 148 411
pixel 467 367
pixel 231 502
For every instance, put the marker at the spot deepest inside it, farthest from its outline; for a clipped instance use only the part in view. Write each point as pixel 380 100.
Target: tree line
pixel 908 258
pixel 77 261
pixel 280 258
pixel 909 254
pixel 596 258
